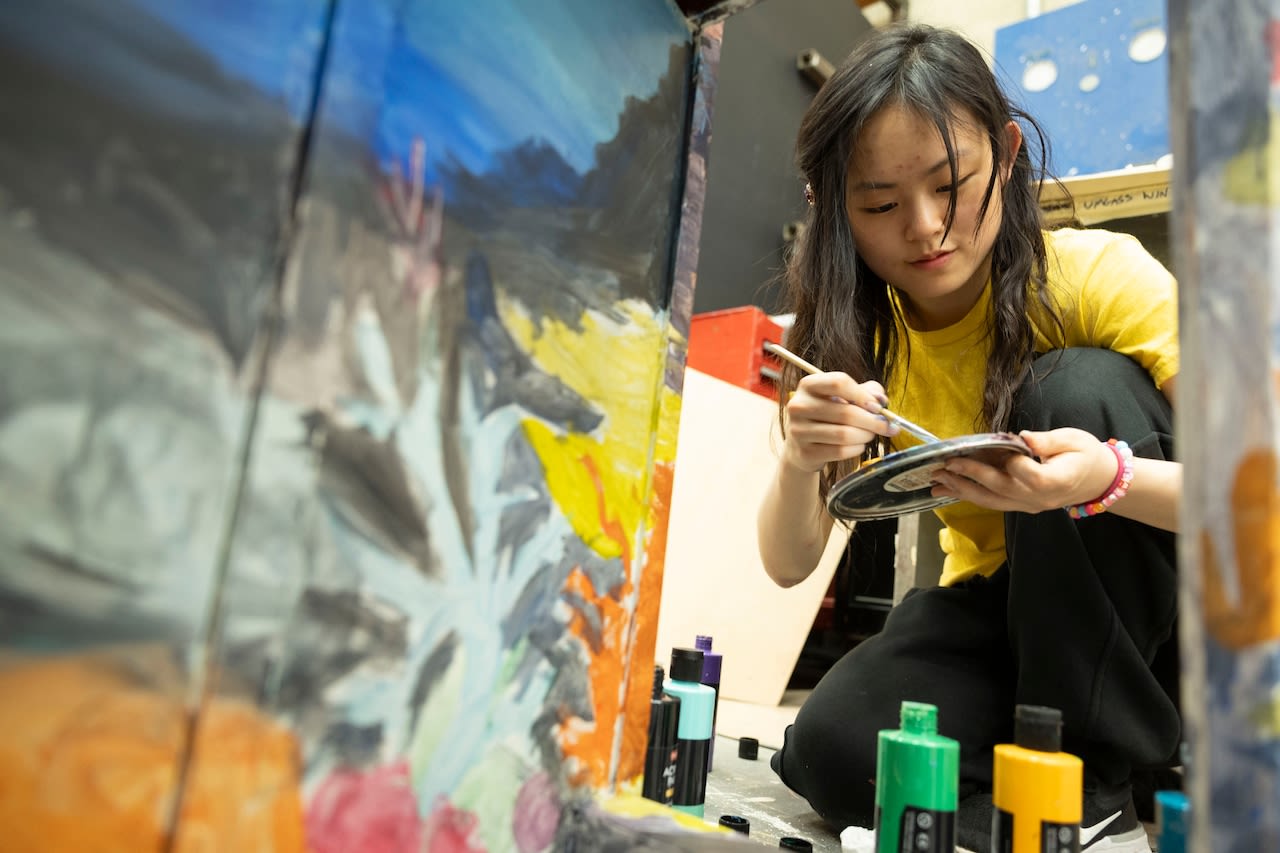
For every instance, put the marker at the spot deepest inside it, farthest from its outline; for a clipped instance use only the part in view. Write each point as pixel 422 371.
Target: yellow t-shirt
pixel 1111 294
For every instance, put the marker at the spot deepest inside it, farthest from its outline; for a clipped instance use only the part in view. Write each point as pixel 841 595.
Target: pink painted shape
pixel 536 814
pixel 371 811
pixel 451 830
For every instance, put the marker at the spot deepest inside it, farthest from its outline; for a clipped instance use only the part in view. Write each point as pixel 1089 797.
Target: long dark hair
pixel 844 317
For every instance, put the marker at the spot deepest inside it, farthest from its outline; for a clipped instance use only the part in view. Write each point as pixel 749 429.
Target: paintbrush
pixel 906 425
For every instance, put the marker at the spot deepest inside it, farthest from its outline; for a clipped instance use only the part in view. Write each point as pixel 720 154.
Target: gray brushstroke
pixel 508 371
pixel 335 632
pixel 365 479
pixel 353 746
pixel 119 176
pixel 433 669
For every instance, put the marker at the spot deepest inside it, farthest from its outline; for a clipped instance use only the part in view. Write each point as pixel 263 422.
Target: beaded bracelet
pixel 1119 486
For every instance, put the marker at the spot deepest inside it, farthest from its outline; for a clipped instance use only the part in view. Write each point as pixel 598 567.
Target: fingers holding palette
pixel 900 483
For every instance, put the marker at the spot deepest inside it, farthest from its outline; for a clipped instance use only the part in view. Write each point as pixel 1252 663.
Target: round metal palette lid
pixel 899 483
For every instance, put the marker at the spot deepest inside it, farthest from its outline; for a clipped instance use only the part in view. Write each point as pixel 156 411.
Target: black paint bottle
pixel 660 757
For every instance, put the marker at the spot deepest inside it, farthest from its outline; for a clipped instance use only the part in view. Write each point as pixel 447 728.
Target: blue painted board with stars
pixel 1096 77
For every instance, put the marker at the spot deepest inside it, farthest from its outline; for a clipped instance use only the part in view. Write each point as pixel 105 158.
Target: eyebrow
pixel 881 185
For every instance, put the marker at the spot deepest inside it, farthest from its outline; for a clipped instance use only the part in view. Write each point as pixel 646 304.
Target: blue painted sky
pixel 471 77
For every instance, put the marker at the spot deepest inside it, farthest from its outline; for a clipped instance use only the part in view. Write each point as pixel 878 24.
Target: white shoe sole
pixel 1133 841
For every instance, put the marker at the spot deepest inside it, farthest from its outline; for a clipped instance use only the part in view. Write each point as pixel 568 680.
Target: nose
pixel 927 218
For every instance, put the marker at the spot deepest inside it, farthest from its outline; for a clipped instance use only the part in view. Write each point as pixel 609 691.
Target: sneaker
pixel 1117 831
pixel 1110 824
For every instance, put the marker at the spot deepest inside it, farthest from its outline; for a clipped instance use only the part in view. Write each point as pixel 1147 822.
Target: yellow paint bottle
pixel 1038 790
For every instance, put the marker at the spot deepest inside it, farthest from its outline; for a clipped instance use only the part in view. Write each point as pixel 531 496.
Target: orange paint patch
pixel 1254 616
pixel 590 743
pixel 243 793
pixel 644 635
pixel 89 757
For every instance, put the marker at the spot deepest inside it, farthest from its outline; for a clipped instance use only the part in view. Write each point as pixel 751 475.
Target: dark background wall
pixel 753 186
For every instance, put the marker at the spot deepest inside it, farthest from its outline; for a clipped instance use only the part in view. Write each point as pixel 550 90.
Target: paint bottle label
pixel 660 773
pixel 925 830
pixel 669 775
pixel 1054 837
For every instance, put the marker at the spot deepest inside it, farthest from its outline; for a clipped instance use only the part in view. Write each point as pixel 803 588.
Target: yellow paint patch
pixel 634 806
pixel 1252 177
pixel 599 480
pixel 614 487
pixel 1266 717
pixel 668 427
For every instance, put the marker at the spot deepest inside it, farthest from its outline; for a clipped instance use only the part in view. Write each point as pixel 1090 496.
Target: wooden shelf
pixel 1137 191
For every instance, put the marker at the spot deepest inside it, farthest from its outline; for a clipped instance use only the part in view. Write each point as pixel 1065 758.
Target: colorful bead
pixel 1119 486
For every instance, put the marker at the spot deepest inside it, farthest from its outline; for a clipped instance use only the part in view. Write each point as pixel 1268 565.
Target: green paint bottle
pixel 917 771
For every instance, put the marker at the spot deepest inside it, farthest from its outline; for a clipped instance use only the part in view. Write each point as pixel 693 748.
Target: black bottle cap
pixel 658 677
pixel 748 748
pixel 1037 727
pixel 686 665
pixel 790 842
pixel 736 823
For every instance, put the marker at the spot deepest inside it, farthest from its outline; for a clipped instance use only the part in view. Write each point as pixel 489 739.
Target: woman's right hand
pixel 831 418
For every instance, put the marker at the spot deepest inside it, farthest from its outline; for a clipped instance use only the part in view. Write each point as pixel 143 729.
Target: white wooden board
pixel 714 582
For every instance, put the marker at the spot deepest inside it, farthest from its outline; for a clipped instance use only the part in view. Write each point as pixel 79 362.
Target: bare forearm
pixel 1155 495
pixel 793 526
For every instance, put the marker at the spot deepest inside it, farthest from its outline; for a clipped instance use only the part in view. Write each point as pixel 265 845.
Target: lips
pixel 932 261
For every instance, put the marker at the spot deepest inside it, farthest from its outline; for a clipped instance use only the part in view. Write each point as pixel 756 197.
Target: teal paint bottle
pixel 1173 811
pixel 917 774
pixel 693 736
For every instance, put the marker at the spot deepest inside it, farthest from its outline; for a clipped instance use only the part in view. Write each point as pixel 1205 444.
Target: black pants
pixel 1081 617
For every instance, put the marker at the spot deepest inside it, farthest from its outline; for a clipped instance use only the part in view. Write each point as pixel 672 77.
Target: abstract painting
pixel 338 401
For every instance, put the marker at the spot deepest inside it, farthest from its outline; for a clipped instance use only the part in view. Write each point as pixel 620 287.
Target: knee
pixel 831 762
pixel 1075 387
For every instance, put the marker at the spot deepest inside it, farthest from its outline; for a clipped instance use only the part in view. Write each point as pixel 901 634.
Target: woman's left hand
pixel 1073 467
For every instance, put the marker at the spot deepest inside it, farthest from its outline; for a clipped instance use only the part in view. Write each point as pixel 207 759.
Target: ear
pixel 1013 143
